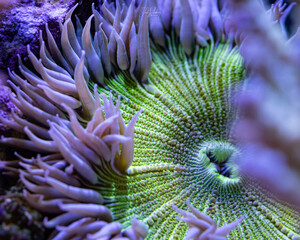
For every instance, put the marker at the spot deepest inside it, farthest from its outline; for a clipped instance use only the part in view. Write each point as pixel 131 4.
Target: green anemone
pixel 190 112
pixel 149 140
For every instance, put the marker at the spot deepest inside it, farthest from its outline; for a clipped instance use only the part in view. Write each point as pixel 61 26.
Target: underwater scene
pixel 149 119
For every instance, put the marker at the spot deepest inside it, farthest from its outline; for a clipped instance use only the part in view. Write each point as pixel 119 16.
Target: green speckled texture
pixel 192 104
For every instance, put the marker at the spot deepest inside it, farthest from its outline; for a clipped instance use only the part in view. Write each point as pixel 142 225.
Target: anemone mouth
pixel 220 159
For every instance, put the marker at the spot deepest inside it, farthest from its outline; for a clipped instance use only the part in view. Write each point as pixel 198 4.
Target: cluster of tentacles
pixel 56 103
pixel 270 145
pixel 80 136
pixel 204 227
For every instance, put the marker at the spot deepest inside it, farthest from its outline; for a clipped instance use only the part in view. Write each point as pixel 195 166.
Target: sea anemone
pixel 132 116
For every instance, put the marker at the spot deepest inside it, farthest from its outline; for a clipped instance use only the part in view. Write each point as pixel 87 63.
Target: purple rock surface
pixel 21 24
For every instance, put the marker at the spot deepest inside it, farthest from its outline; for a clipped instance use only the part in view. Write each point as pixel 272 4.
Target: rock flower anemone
pixel 132 124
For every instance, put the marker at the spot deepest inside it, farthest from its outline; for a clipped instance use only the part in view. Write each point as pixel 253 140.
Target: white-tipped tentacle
pixel 143 50
pixel 86 98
